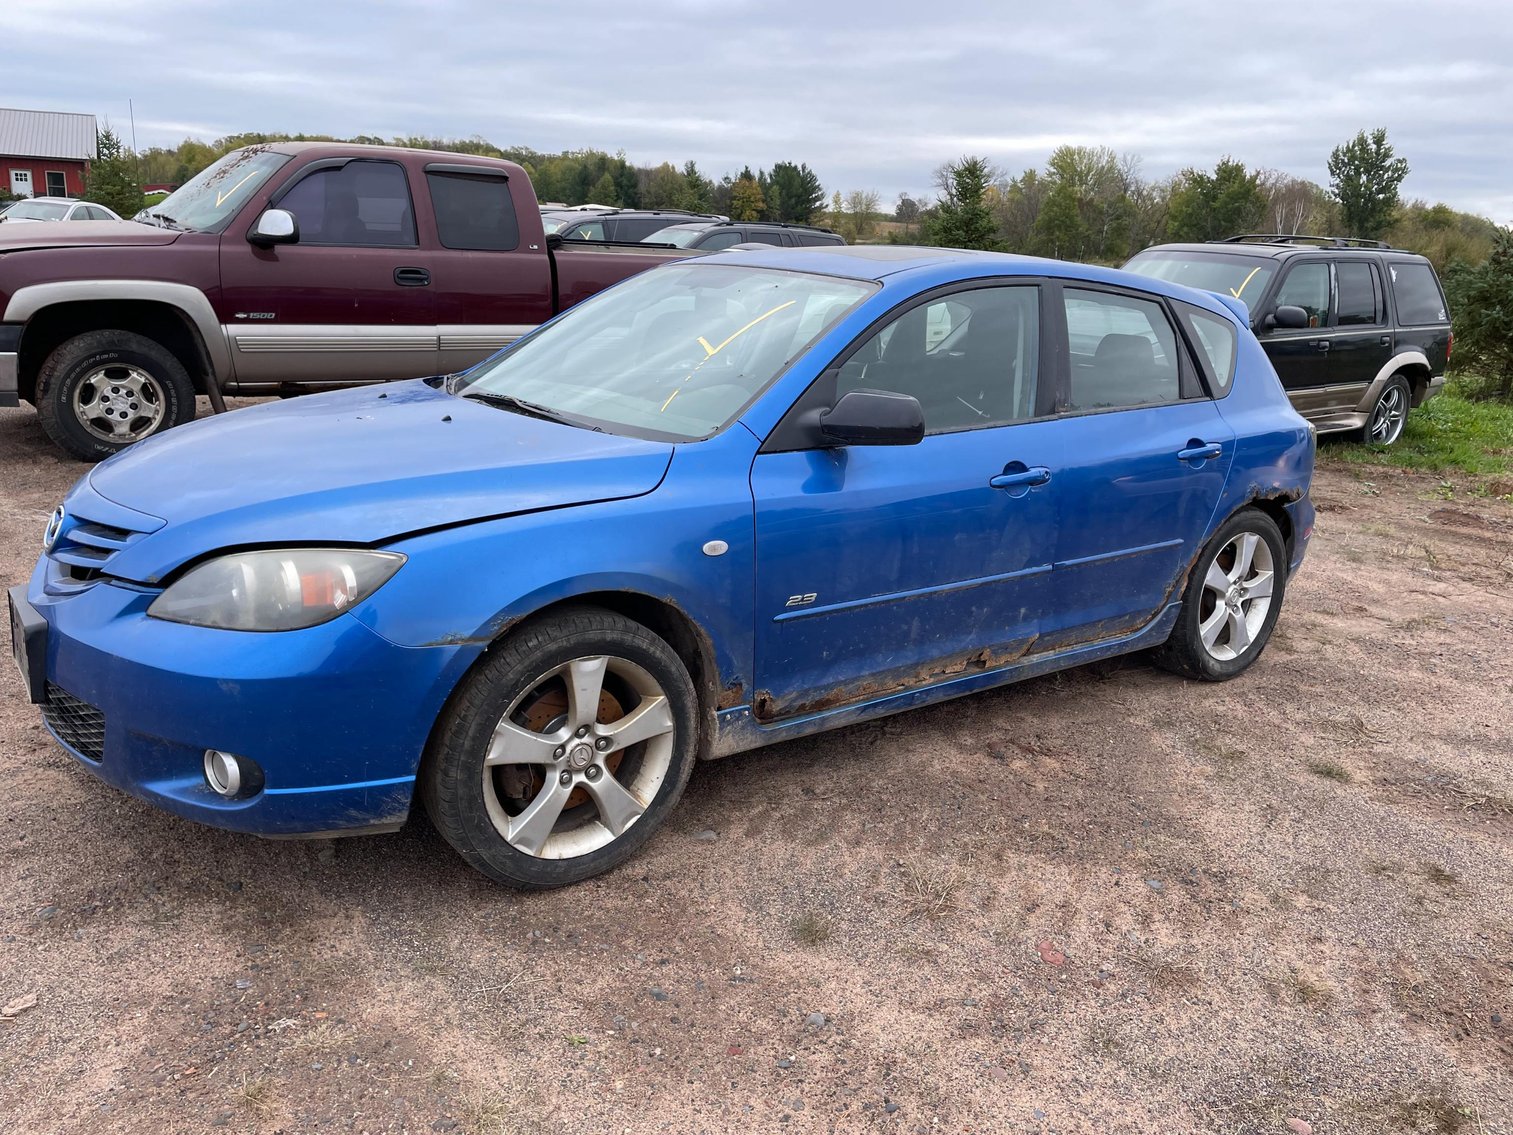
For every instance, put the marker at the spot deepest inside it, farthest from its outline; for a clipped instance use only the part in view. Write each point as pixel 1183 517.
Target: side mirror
pixel 275 226
pixel 1292 318
pixel 873 417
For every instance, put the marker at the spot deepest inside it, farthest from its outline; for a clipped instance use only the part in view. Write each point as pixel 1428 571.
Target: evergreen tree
pixel 797 195
pixel 1482 299
pixel 962 219
pixel 604 191
pixel 113 180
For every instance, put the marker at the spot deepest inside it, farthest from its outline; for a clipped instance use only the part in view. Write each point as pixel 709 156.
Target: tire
pixel 1204 642
pixel 1388 414
pixel 101 391
pixel 558 808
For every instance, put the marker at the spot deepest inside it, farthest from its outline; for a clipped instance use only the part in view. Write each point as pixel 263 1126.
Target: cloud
pixel 871 95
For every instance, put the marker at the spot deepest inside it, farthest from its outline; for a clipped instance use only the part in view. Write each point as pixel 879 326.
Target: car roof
pixel 928 267
pixel 1278 251
pixel 52 200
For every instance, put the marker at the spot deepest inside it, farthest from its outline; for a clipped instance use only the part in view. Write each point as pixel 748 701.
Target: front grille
pixel 85 546
pixel 80 725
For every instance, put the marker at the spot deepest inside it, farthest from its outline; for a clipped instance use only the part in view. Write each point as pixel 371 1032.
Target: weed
pixel 577 1039
pixel 1437 875
pixel 811 928
pixel 927 890
pixel 1330 770
pixel 1450 433
pixel 484 1114
pixel 255 1093
pixel 1306 989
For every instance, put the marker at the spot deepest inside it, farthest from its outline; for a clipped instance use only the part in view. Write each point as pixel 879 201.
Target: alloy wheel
pixel 1236 596
pixel 1388 416
pixel 119 403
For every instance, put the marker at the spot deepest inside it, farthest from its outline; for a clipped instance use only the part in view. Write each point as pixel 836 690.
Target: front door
pixel 884 568
pixel 1301 355
pixel 350 301
pixel 1144 457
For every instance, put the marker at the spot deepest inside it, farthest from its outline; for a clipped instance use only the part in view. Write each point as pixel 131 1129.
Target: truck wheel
pixel 101 391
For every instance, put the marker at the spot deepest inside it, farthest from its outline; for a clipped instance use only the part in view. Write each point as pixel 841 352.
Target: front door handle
pixel 412 277
pixel 1322 345
pixel 1025 478
pixel 1199 451
pixel 1386 340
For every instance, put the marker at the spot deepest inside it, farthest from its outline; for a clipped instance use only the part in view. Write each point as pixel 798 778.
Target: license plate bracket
pixel 28 645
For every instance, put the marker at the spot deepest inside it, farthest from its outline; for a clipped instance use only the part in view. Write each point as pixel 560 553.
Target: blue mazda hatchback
pixel 728 502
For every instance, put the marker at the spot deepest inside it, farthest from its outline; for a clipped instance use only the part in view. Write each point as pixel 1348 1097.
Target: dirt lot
pixel 1106 901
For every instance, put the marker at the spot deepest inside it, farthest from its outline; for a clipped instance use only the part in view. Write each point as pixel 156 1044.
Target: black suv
pixel 630 225
pixel 1358 330
pixel 711 235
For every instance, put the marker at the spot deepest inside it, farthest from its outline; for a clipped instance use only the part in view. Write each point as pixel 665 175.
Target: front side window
pixel 675 353
pixel 474 212
pixel 584 230
pixel 681 235
pixel 1419 299
pixel 363 203
pixel 1307 287
pixel 971 359
pixel 724 238
pixel 1123 352
pixel 1357 298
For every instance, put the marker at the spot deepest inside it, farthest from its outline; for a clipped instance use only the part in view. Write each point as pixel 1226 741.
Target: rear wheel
pixel 1232 600
pixel 1389 413
pixel 101 391
pixel 564 751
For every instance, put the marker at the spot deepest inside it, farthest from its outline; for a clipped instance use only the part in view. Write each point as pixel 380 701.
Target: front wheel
pixel 1231 602
pixel 101 391
pixel 1389 413
pixel 564 751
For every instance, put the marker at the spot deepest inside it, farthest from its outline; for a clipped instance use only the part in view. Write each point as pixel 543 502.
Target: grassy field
pixel 1469 443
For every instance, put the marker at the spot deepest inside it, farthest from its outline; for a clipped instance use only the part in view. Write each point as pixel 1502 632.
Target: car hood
pixel 350 467
pixel 16 235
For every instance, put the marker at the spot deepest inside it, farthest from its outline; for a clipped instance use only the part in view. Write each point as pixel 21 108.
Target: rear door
pixel 1362 342
pixel 351 300
pixel 1142 454
pixel 492 283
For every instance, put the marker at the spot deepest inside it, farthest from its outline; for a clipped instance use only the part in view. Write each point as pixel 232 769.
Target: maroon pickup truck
pixel 279 269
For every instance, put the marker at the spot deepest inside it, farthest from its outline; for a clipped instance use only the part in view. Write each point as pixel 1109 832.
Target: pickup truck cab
pixel 281 268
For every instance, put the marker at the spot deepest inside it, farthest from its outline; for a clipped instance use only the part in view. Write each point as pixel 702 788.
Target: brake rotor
pixel 547 713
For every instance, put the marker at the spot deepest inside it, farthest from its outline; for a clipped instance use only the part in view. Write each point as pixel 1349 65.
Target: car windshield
pixel 37 211
pixel 681 235
pixel 208 201
pixel 673 354
pixel 1241 277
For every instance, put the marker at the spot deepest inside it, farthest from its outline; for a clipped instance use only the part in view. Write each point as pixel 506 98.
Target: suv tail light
pixel 1450 346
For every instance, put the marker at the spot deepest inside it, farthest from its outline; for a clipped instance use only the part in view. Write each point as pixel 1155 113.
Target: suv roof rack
pixel 1294 238
pixel 782 225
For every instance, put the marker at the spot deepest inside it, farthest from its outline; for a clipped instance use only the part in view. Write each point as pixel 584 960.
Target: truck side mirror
pixel 1288 316
pixel 275 226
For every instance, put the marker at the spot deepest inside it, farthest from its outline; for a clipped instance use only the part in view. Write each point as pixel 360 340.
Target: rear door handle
pixel 1036 475
pixel 1199 451
pixel 412 277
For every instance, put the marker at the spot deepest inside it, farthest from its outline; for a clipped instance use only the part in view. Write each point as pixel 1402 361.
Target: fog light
pixel 230 775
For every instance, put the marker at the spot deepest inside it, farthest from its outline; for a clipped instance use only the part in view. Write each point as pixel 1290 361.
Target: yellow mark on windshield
pixel 1236 291
pixel 710 352
pixel 220 198
pixel 670 397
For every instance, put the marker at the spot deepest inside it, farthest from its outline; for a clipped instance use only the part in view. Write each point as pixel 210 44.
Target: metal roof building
pixel 47 134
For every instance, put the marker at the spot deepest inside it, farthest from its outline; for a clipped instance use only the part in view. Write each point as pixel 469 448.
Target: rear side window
pixel 1123 352
pixel 363 203
pixel 811 239
pixel 1418 296
pixel 1357 297
pixel 1216 341
pixel 474 213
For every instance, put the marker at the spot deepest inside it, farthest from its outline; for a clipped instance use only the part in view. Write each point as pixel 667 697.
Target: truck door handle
pixel 412 277
pixel 1322 345
pixel 1386 340
pixel 1199 451
pixel 1022 477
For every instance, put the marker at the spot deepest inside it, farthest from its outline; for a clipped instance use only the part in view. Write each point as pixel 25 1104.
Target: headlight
pixel 275 591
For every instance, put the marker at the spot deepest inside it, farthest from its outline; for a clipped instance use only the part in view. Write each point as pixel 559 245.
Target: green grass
pixel 1448 434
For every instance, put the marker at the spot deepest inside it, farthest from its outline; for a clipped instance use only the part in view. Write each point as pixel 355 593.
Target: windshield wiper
pixel 521 406
pixel 166 222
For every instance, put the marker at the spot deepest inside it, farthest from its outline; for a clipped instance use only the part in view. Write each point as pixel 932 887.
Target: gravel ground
pixel 1104 901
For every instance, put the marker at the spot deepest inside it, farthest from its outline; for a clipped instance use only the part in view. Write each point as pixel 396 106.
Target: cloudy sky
pixel 872 96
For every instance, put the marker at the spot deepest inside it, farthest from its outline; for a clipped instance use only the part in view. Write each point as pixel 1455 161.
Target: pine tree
pixel 113 180
pixel 962 219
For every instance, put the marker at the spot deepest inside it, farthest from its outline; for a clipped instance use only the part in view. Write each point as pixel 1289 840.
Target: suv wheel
pixel 1389 413
pixel 101 391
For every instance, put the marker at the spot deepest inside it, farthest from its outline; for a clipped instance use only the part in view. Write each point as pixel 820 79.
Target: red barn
pixel 45 153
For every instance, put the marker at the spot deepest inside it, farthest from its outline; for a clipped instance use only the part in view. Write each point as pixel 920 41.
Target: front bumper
pixel 335 716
